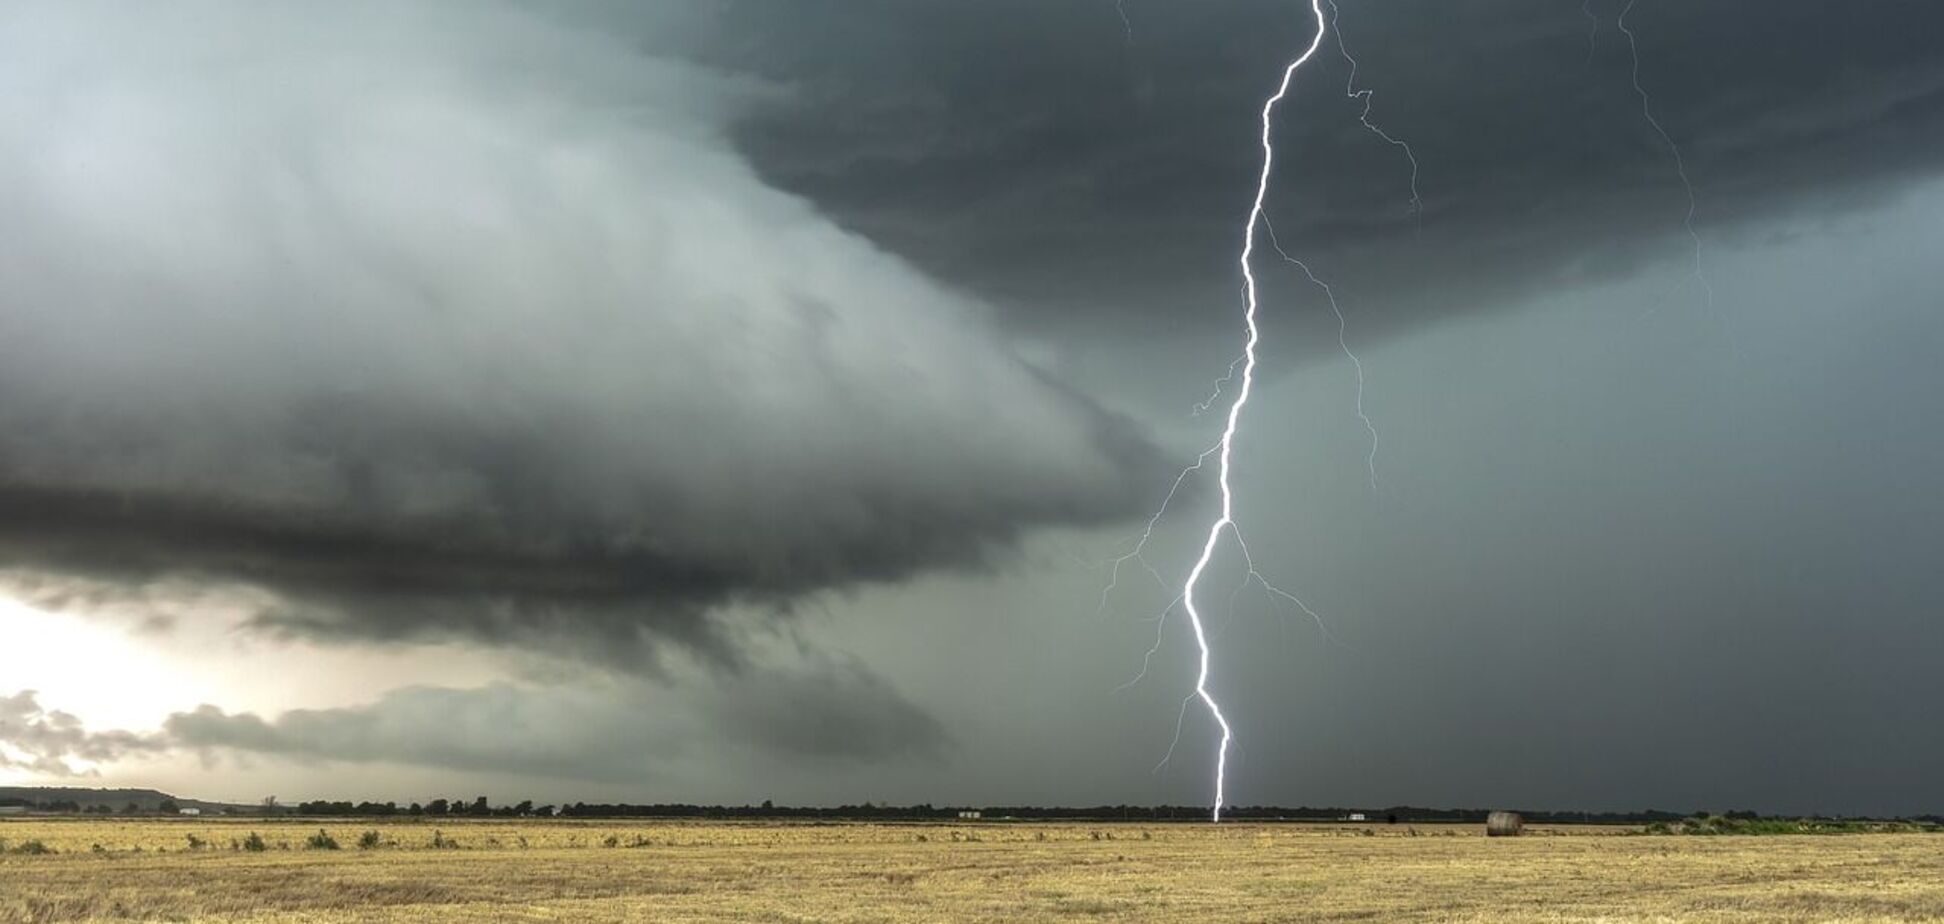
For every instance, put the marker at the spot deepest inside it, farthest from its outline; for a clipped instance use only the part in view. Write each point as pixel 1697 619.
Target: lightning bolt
pixel 1225 448
pixel 1343 343
pixel 1366 96
pixel 1222 450
pixel 1680 163
pixel 1592 30
pixel 1147 533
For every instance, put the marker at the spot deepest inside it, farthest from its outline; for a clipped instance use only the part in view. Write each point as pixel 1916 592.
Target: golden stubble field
pixel 631 871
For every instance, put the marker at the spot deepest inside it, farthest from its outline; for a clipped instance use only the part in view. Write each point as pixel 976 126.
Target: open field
pixel 633 871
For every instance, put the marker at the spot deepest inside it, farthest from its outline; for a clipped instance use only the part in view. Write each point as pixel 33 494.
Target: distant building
pixel 971 815
pixel 1357 816
pixel 191 811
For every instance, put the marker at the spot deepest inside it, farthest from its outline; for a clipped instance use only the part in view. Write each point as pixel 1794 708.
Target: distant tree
pixel 524 808
pixel 768 805
pixel 437 807
pixel 130 809
pixel 416 809
pixel 169 807
pixel 479 807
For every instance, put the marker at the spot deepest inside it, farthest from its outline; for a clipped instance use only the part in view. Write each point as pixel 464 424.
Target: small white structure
pixel 1357 816
pixel 191 811
pixel 971 815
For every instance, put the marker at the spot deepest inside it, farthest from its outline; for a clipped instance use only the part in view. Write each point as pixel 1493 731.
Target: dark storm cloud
pixel 477 323
pixel 1032 152
pixel 46 741
pixel 456 321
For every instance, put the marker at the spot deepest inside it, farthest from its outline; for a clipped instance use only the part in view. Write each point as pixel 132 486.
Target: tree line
pixel 481 807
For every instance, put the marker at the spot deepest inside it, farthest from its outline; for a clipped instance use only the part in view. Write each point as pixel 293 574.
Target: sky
pixel 728 400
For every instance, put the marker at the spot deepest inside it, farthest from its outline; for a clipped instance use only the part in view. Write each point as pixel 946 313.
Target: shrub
pixel 196 843
pixel 369 840
pixel 321 841
pixel 441 842
pixel 32 849
pixel 611 841
pixel 254 843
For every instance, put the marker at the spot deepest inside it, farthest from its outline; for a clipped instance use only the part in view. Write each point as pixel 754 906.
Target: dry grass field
pixel 596 871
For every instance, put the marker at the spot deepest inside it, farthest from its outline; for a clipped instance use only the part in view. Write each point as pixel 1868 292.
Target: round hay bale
pixel 1504 824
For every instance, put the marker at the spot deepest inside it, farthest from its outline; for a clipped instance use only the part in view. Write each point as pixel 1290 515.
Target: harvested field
pixel 633 871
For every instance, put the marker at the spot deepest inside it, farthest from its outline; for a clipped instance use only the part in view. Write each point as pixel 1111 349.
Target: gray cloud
pixel 459 322
pixel 47 741
pixel 602 729
pixel 838 709
pixel 624 730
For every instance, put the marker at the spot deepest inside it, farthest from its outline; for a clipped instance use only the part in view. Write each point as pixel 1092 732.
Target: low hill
pixel 147 800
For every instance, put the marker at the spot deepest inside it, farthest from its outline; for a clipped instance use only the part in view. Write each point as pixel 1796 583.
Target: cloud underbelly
pixel 421 334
